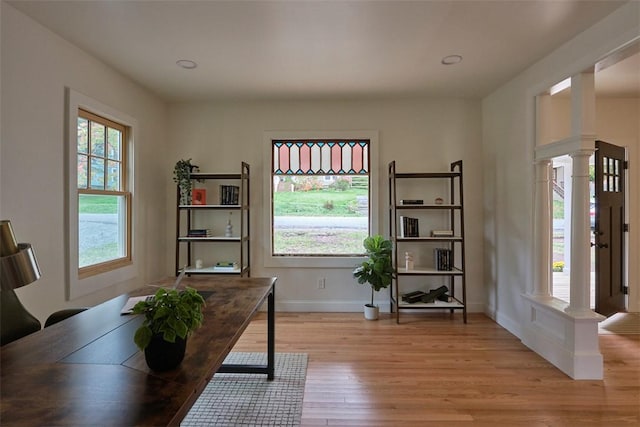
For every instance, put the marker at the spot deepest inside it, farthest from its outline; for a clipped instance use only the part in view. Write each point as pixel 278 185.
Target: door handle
pixel 599 245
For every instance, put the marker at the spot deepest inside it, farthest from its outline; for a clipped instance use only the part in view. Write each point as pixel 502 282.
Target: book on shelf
pixel 199 232
pixel 225 266
pixel 411 202
pixel 409 227
pixel 229 194
pixel 441 233
pixel 443 259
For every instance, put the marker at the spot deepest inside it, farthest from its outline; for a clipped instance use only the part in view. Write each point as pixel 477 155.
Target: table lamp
pixel 18 261
pixel 18 267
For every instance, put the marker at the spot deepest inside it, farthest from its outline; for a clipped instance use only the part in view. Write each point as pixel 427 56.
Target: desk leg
pixel 271 332
pixel 269 368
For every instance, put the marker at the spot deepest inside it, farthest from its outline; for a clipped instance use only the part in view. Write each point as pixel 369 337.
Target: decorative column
pixel 580 238
pixel 542 230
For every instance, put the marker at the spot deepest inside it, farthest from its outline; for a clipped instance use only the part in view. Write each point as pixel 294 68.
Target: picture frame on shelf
pixel 199 196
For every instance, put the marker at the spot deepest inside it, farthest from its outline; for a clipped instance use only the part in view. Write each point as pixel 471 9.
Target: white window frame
pixel 76 286
pixel 317 261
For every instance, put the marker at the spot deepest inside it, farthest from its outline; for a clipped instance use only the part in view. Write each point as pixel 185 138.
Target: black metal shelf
pixel 453 209
pixel 186 217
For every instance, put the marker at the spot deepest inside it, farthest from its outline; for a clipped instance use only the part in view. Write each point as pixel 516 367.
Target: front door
pixel 609 228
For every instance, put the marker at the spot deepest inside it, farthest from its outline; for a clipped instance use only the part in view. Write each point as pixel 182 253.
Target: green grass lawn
pixel 98 204
pixel 317 203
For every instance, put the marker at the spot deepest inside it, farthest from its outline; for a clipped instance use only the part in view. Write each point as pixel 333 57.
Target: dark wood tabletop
pixel 86 370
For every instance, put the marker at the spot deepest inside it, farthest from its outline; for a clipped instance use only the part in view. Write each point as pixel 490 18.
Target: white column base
pixel 568 340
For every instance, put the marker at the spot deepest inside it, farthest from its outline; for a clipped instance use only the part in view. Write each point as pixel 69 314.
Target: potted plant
pixel 377 270
pixel 169 317
pixel 182 176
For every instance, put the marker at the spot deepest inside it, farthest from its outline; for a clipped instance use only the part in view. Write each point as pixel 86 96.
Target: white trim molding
pixel 77 287
pixel 568 340
pixel 324 261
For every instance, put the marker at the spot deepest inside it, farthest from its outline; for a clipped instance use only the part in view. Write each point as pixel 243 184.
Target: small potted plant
pixel 377 270
pixel 169 317
pixel 182 176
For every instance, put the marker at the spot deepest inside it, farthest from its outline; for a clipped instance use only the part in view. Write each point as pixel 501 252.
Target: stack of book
pixel 409 227
pixel 199 232
pixel 411 202
pixel 225 266
pixel 443 259
pixel 229 194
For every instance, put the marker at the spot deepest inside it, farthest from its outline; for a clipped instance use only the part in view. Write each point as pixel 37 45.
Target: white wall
pixel 421 135
pixel 508 142
pixel 35 69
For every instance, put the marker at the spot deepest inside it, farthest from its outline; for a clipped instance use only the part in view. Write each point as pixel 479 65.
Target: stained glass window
pixel 321 157
pixel 320 197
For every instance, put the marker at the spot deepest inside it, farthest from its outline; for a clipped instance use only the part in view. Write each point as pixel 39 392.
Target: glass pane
pixel 610 185
pixel 616 183
pixel 616 166
pixel 611 166
pixel 83 135
pixel 320 215
pixel 97 139
pixel 101 229
pixel 340 157
pixel 113 175
pixel 604 184
pixel 97 173
pixel 82 170
pixel 605 164
pixel 114 138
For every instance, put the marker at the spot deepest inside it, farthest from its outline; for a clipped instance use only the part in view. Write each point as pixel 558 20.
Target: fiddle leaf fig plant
pixel 377 270
pixel 170 313
pixel 182 176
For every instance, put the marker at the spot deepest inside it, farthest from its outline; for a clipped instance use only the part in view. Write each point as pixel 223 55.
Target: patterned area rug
pixel 621 324
pixel 251 400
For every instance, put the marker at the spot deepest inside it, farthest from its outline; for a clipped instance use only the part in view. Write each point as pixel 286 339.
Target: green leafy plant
pixel 377 270
pixel 182 176
pixel 170 313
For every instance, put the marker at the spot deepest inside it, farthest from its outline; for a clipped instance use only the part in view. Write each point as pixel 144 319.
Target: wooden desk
pixel 87 371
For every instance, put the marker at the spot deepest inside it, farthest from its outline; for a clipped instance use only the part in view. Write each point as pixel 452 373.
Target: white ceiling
pixel 318 49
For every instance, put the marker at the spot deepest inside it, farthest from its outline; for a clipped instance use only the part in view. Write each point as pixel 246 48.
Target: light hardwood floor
pixel 432 370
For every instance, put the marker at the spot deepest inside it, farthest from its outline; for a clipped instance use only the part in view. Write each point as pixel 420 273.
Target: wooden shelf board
pixel 209 239
pixel 210 206
pixel 211 270
pixel 455 304
pixel 421 271
pixel 426 206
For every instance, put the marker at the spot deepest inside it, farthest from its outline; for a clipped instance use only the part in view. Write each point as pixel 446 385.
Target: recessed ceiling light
pixel 186 64
pixel 451 59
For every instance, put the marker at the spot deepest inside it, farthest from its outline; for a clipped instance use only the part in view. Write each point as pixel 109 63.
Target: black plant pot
pixel 162 355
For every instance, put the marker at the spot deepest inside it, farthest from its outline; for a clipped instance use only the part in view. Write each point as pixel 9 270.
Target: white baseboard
pixel 304 306
pixel 329 306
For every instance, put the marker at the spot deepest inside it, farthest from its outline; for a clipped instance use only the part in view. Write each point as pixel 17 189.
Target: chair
pixel 16 322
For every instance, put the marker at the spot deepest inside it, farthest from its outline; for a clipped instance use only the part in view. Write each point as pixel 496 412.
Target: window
pixel 320 197
pixel 100 181
pixel 104 204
